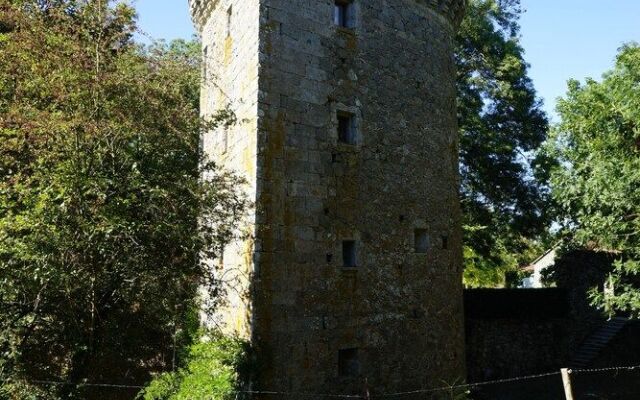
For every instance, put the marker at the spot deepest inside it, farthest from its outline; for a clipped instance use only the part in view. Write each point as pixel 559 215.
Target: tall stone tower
pixel 347 136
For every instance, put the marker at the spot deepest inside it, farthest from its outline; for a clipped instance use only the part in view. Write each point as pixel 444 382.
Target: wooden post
pixel 367 396
pixel 566 382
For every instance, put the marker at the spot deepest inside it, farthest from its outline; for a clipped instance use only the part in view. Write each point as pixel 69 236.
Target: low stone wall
pixel 515 332
pixel 511 333
pixel 536 348
pixel 508 348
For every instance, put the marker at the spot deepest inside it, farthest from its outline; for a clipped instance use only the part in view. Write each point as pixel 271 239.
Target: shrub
pixel 217 368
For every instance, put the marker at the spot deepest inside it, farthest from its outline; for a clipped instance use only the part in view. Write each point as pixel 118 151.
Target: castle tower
pixel 347 136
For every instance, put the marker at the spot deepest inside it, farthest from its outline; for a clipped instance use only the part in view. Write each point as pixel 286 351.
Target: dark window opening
pixel 421 240
pixel 348 362
pixel 445 242
pixel 343 13
pixel 205 62
pixel 346 128
pixel 329 258
pixel 349 254
pixel 225 140
pixel 229 17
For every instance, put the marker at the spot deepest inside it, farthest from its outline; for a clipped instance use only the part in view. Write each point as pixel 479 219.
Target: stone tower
pixel 347 136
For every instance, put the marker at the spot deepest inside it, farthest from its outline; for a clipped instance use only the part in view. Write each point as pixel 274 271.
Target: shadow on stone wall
pixel 514 332
pixel 518 332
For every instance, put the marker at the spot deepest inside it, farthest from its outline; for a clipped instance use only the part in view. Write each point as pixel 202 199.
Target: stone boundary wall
pixel 515 332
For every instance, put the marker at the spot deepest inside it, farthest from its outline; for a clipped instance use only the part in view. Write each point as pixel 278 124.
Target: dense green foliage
pixel 219 368
pixel 597 181
pixel 102 210
pixel 502 127
pixel 103 214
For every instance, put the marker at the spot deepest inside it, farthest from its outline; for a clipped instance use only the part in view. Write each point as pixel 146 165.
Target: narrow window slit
pixel 421 240
pixel 346 128
pixel 343 13
pixel 348 363
pixel 229 18
pixel 349 254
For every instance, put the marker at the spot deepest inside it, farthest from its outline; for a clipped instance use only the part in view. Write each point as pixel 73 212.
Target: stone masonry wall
pixel 230 51
pixel 394 72
pixel 397 316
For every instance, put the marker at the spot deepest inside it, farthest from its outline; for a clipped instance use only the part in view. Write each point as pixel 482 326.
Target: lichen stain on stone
pixel 243 318
pixel 351 42
pixel 275 137
pixel 228 50
pixel 248 163
pixel 276 140
pixel 267 29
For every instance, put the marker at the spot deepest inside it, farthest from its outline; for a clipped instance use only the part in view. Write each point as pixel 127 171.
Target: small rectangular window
pixel 229 17
pixel 421 240
pixel 349 254
pixel 346 128
pixel 343 13
pixel 348 363
pixel 445 242
pixel 205 57
pixel 224 140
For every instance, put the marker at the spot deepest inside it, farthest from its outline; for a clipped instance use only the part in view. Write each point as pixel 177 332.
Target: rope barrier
pixel 469 385
pixel 326 395
pixel 349 396
pixel 104 385
pixel 301 394
pixel 592 370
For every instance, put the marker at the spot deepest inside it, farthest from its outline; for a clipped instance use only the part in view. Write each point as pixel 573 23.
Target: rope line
pixel 469 385
pixel 351 396
pixel 104 385
pixel 343 396
pixel 592 370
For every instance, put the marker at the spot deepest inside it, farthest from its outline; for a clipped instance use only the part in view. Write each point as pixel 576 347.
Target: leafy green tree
pixel 103 214
pixel 502 126
pixel 596 183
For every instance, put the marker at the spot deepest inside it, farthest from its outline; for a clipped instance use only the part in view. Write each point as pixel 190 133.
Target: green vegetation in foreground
pixel 104 216
pixel 218 368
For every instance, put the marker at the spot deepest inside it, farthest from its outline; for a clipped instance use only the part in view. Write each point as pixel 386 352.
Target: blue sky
pixel 563 39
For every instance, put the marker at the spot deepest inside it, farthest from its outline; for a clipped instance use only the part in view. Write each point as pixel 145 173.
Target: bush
pixel 215 369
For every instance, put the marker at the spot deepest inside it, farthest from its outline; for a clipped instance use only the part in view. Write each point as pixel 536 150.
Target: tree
pixel 596 182
pixel 103 214
pixel 502 126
